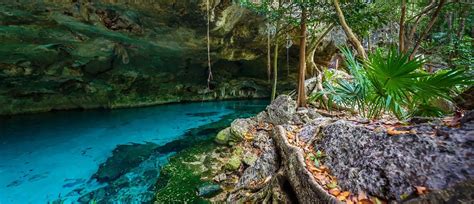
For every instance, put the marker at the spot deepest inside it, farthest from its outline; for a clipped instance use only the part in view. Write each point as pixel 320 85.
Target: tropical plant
pixel 394 83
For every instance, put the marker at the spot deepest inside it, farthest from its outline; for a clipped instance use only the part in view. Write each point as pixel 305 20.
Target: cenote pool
pixel 57 156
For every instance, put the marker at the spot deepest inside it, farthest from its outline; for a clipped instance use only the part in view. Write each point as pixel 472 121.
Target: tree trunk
pixel 348 31
pixel 269 60
pixel 401 34
pixel 418 17
pixel 462 25
pixel 301 101
pixel 275 70
pixel 428 28
pixel 369 45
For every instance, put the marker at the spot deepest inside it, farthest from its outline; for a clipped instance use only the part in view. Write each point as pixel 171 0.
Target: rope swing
pixel 209 77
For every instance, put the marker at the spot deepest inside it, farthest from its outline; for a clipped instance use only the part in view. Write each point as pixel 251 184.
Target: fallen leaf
pixel 312 168
pixel 332 185
pixel 343 196
pixel 392 131
pixel 361 196
pixel 323 168
pixel 420 190
pixel 319 176
pixel 334 192
pixel 364 201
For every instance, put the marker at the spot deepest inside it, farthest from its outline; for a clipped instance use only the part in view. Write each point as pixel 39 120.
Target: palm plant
pixel 345 93
pixel 394 83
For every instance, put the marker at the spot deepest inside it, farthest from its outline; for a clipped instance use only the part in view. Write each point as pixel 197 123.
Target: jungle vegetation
pixel 423 62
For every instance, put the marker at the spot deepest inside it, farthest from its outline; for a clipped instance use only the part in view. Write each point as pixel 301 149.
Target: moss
pixel 181 177
pixel 223 136
pixel 233 163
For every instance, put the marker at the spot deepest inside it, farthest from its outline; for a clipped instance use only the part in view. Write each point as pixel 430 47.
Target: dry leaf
pixel 420 190
pixel 319 176
pixel 364 201
pixel 346 193
pixel 334 192
pixel 362 196
pixel 343 196
pixel 312 168
pixel 392 131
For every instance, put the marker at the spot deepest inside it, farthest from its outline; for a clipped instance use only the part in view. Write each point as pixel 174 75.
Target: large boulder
pixel 391 166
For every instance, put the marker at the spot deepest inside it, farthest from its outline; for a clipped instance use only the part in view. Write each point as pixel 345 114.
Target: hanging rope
pixel 209 77
pixel 289 43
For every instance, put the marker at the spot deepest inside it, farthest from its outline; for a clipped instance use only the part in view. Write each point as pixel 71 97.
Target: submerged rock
pixel 209 190
pixel 124 158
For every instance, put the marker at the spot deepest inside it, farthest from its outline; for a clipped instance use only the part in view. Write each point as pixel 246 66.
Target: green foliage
pixel 362 16
pixel 393 83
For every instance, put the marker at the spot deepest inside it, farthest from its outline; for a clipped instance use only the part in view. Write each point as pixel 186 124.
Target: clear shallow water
pixel 46 156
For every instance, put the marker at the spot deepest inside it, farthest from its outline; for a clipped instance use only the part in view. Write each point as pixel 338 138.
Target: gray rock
pixel 308 131
pixel 390 166
pixel 249 158
pixel 281 110
pixel 220 177
pixel 468 117
pixel 240 127
pixel 266 165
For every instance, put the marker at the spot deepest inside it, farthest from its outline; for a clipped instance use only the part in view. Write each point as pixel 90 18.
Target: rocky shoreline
pixel 300 156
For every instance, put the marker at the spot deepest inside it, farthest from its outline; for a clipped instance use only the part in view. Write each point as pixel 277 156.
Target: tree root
pixel 292 183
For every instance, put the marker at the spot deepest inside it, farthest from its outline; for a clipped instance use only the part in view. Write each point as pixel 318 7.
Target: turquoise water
pixel 46 156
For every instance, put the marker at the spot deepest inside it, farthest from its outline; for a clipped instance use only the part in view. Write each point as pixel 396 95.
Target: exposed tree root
pixel 292 183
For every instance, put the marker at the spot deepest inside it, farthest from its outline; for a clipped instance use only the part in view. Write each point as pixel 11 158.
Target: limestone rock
pixel 223 136
pixel 281 110
pixel 309 130
pixel 466 99
pixel 233 163
pixel 249 158
pixel 390 166
pixel 240 128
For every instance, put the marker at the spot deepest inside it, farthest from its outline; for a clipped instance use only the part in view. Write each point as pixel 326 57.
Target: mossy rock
pixel 233 163
pixel 223 136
